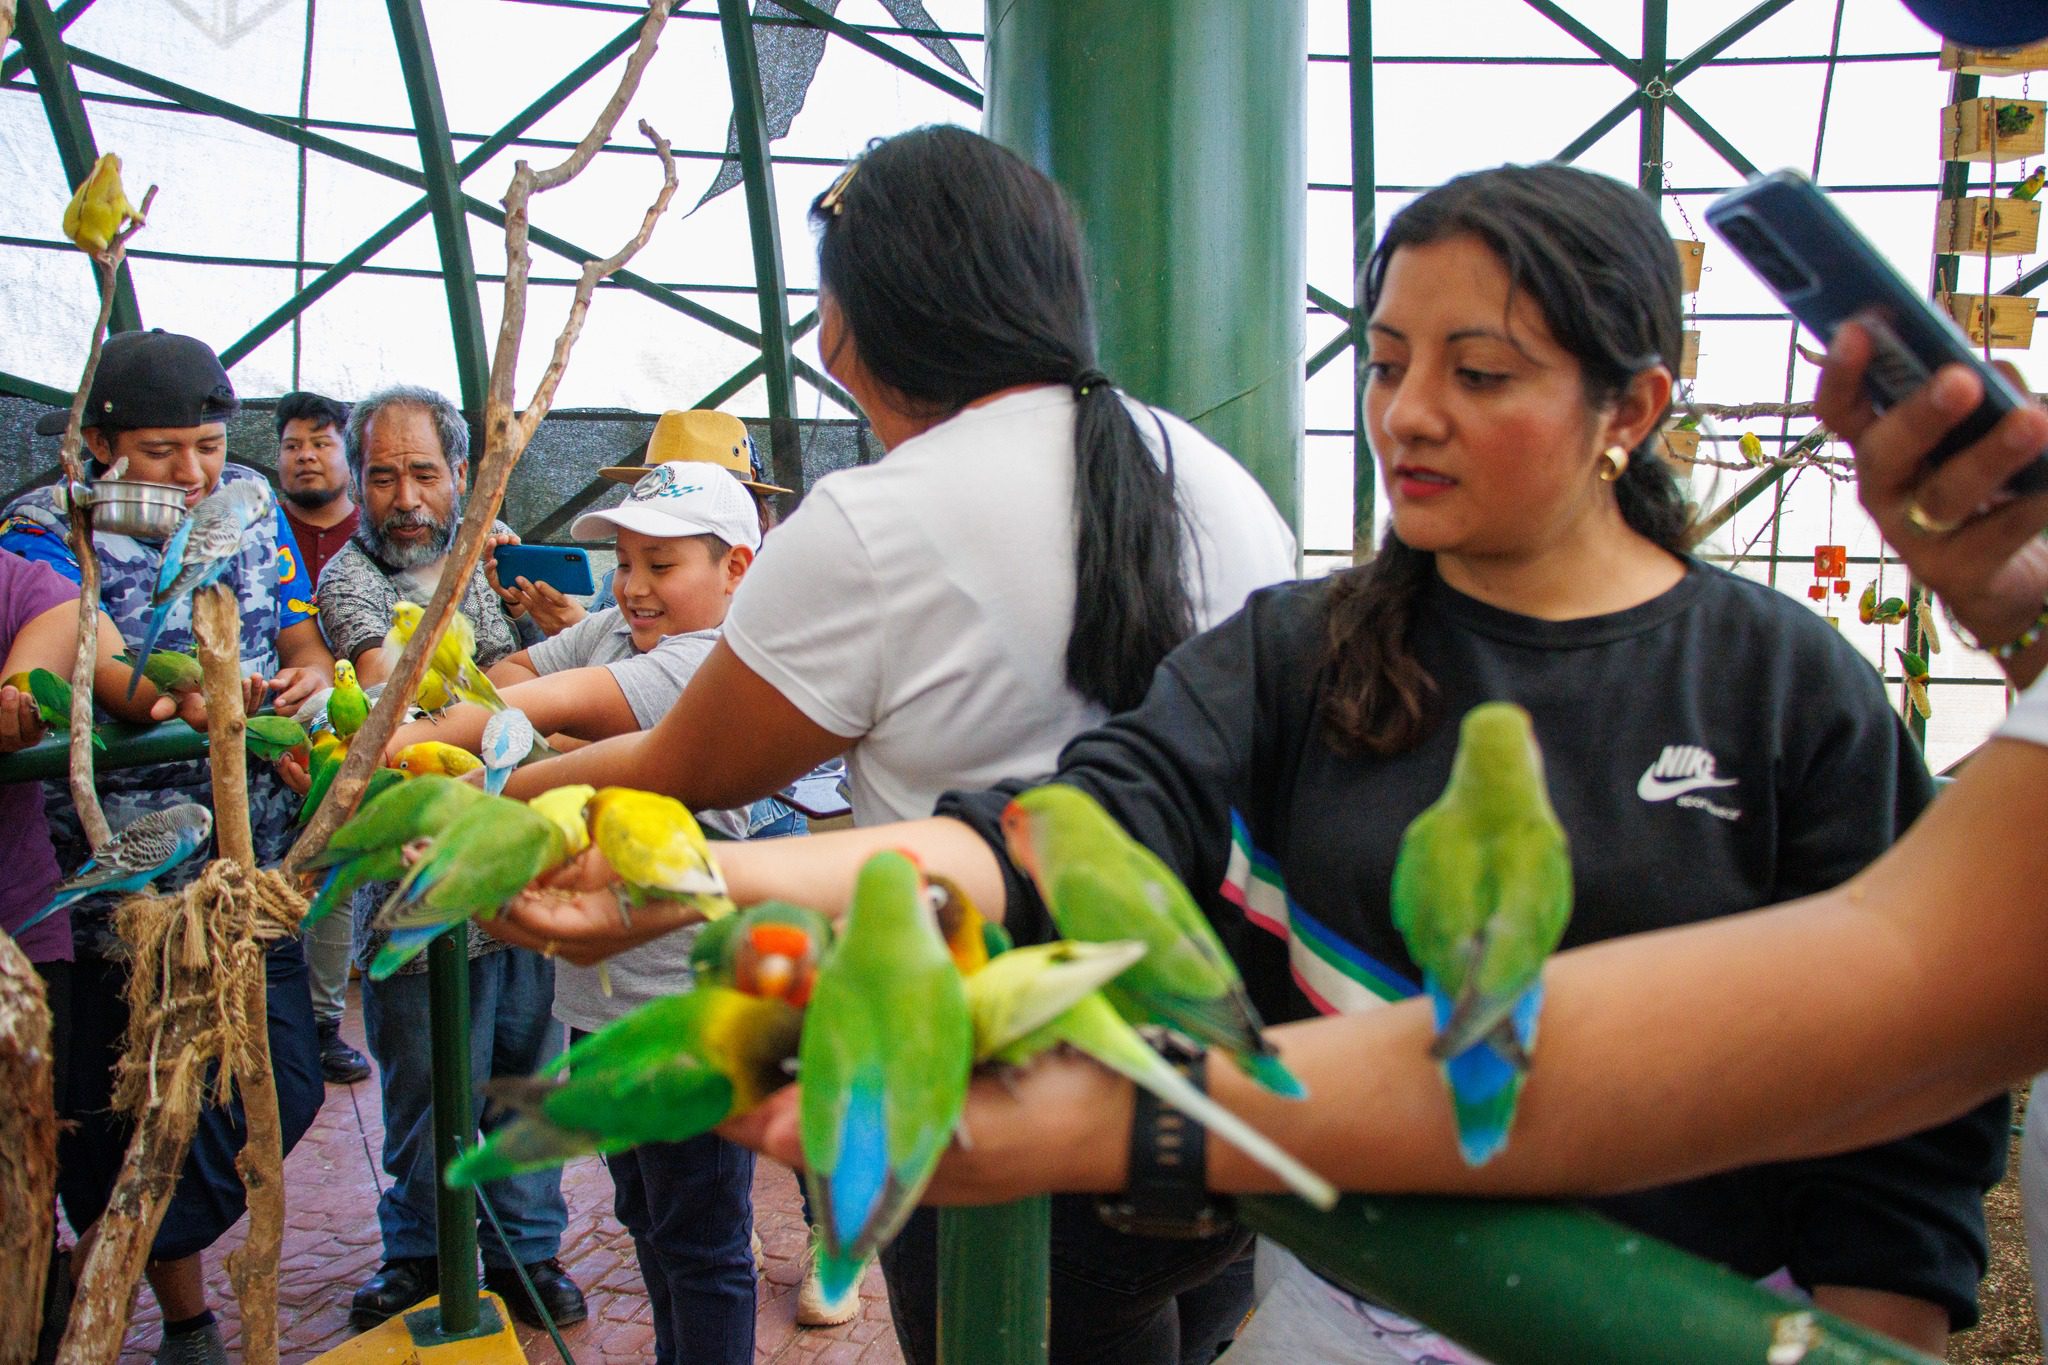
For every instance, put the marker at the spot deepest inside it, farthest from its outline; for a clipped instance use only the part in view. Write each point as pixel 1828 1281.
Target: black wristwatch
pixel 1166 1191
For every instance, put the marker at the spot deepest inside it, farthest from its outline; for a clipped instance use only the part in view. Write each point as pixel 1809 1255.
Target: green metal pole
pixel 445 201
pixel 995 1282
pixel 1650 77
pixel 459 1314
pixel 42 43
pixel 750 123
pixel 128 746
pixel 1179 130
pixel 1534 1284
pixel 1365 229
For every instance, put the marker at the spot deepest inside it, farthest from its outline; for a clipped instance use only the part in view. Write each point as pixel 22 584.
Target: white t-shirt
pixel 2028 719
pixel 921 606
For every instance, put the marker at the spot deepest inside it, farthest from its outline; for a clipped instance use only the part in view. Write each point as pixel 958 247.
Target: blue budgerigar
pixel 1482 891
pixel 198 553
pixel 508 736
pixel 144 850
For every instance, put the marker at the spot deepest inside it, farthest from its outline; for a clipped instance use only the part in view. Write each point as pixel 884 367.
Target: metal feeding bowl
pixel 129 507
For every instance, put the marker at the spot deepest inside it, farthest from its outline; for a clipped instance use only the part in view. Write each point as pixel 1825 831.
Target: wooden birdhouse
pixel 1993 129
pixel 2009 227
pixel 1681 448
pixel 1830 561
pixel 1974 62
pixel 1689 356
pixel 2011 317
pixel 1691 258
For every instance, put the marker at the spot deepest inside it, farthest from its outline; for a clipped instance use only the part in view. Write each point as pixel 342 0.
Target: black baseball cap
pixel 1976 24
pixel 153 379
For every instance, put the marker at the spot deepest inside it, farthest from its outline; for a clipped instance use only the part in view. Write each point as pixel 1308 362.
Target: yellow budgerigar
pixel 100 208
pixel 454 657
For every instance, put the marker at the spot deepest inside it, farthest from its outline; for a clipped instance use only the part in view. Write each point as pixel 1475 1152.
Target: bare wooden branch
pixel 217 631
pixel 28 1152
pixel 84 794
pixel 505 435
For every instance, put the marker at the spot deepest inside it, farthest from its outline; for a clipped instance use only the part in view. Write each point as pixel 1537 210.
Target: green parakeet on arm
pixel 1482 891
pixel 669 1071
pixel 883 1067
pixel 1019 992
pixel 1102 886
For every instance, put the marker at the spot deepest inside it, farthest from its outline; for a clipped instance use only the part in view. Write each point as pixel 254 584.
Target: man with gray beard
pixel 408 455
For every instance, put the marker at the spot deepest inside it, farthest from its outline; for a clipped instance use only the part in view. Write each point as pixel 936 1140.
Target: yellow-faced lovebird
pixel 970 937
pixel 669 1071
pixel 100 208
pixel 482 859
pixel 370 846
pixel 453 662
pixel 348 706
pixel 1914 670
pixel 432 756
pixel 1018 992
pixel 658 850
pixel 52 696
pixel 508 736
pixel 883 1066
pixel 203 547
pixel 1481 893
pixel 1092 1026
pixel 1101 885
pixel 145 849
pixel 771 950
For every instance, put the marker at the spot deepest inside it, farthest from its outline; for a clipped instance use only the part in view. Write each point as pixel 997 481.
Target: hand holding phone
pixel 565 568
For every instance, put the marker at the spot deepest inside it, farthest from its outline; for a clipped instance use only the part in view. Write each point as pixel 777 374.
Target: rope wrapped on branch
pixel 197 961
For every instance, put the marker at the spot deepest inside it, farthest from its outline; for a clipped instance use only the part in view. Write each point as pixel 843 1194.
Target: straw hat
pixel 701 435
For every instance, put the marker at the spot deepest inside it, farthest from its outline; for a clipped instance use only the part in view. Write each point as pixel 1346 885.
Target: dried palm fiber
pixel 28 1150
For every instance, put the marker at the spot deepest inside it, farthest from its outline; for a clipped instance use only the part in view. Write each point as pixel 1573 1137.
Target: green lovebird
pixel 771 949
pixel 483 858
pixel 272 737
pixel 884 1064
pixel 52 697
pixel 170 670
pixel 1092 1026
pixel 370 847
pixel 1021 991
pixel 348 706
pixel 324 758
pixel 1101 885
pixel 1482 890
pixel 669 1071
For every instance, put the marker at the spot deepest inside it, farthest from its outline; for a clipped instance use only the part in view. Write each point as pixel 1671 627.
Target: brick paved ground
pixel 331 1246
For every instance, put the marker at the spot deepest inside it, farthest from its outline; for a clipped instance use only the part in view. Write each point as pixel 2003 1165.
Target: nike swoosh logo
pixel 1654 788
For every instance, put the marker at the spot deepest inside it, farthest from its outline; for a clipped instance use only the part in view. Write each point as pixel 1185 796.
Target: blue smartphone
pixel 564 568
pixel 1825 272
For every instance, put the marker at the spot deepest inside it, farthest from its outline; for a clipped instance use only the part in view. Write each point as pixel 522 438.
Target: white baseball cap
pixel 680 498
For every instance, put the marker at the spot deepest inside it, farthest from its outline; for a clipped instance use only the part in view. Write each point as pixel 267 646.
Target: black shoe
pixel 339 1062
pixel 557 1292
pixel 397 1286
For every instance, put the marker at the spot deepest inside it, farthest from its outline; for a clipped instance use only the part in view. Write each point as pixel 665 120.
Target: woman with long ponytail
pixel 1035 542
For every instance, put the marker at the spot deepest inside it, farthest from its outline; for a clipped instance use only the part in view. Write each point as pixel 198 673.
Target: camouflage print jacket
pixel 270 585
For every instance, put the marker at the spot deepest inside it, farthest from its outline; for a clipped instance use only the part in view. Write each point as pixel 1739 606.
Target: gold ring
pixel 1917 517
pixel 550 948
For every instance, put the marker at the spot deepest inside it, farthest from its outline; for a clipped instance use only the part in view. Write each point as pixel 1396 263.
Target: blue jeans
pixel 512 1032
pixel 690 1208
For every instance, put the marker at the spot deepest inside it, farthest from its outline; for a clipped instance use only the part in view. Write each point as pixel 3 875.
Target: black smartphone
pixel 564 568
pixel 1826 272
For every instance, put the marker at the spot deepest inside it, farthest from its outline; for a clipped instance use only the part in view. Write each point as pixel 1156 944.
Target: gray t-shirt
pixel 651 682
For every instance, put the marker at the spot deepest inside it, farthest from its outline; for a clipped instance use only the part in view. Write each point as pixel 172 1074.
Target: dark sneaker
pixel 201 1346
pixel 397 1286
pixel 339 1062
pixel 557 1292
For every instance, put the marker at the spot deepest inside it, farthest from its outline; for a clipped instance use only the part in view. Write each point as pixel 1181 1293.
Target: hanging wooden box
pixel 2012 318
pixel 1689 356
pixel 1691 256
pixel 2011 226
pixel 1682 448
pixel 1975 62
pixel 1966 131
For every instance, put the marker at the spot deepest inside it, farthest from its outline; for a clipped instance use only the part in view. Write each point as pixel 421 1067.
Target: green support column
pixel 750 121
pixel 460 1311
pixel 1650 75
pixel 42 44
pixel 1179 130
pixel 1364 233
pixel 445 202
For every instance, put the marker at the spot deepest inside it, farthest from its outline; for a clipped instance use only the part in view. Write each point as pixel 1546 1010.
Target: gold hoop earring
pixel 1613 463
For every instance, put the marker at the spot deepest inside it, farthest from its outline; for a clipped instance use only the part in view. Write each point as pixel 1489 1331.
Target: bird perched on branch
pixel 2031 186
pixel 1914 668
pixel 100 208
pixel 1481 893
pixel 145 849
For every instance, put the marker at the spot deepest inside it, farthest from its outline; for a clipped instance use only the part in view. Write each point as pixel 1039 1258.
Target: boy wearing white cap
pixel 685 538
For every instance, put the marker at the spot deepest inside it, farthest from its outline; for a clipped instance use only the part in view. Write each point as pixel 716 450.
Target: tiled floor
pixel 331 1246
